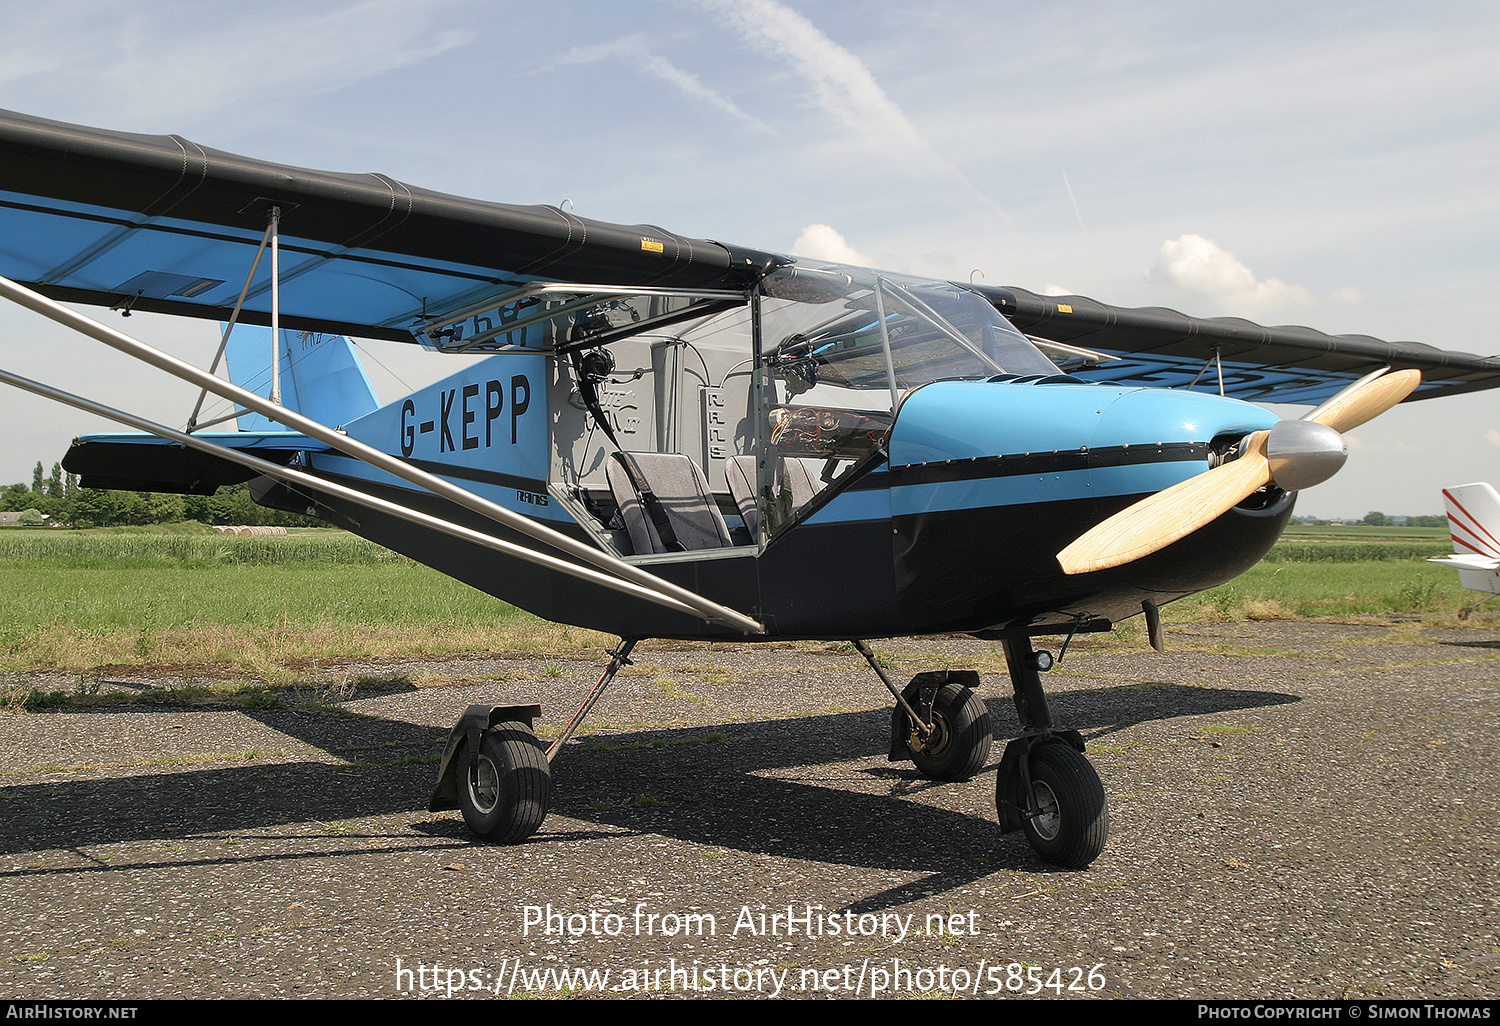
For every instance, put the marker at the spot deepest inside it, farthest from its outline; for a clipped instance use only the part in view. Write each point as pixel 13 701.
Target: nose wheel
pixel 1065 816
pixel 1045 787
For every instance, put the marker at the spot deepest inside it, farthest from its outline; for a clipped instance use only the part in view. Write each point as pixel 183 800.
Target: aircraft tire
pixel 1075 813
pixel 960 744
pixel 505 789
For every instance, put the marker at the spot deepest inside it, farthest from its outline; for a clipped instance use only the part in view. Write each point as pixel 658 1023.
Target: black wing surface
pixel 162 224
pixel 159 223
pixel 1162 348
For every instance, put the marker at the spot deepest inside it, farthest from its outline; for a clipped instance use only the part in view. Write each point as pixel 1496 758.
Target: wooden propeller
pixel 1176 512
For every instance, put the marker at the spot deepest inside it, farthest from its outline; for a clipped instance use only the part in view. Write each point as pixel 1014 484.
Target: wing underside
pixel 160 223
pixel 1160 348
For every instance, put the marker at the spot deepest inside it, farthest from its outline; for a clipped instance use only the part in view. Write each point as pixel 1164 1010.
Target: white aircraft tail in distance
pixel 1474 523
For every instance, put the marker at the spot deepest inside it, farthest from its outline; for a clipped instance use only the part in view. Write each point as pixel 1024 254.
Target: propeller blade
pixel 1366 399
pixel 1174 513
pixel 1171 514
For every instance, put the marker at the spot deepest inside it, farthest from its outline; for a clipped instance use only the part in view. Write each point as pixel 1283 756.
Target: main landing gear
pixel 939 723
pixel 1045 787
pixel 495 770
pixel 505 782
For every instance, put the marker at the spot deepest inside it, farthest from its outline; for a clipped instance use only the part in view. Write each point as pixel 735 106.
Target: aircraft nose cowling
pixel 990 479
pixel 1145 415
pixel 1142 420
pixel 1104 440
pixel 1304 455
pixel 965 420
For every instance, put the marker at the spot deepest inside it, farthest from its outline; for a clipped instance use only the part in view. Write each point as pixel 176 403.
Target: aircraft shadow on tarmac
pixel 732 785
pixel 1472 644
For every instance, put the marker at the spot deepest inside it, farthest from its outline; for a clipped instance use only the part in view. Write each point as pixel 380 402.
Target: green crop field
pixel 1340 571
pixel 79 600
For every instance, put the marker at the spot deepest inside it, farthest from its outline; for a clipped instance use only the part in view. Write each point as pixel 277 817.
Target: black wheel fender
pixel 1073 824
pixel 963 730
pixel 468 730
pixel 505 784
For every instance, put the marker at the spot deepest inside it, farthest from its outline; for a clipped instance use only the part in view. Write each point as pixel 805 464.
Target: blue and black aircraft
pixel 671 437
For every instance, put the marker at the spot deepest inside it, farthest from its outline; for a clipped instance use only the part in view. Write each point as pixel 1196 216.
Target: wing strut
pixel 234 317
pixel 298 478
pixel 702 607
pixel 274 230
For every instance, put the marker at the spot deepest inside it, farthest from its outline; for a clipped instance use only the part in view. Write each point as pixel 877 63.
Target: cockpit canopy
pixel 855 328
pixel 754 406
pixel 821 324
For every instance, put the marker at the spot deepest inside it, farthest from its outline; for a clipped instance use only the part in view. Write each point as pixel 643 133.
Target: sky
pixel 1328 164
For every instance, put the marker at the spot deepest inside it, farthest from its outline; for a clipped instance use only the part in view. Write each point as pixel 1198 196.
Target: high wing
pixel 1161 348
pixel 162 224
pixel 159 223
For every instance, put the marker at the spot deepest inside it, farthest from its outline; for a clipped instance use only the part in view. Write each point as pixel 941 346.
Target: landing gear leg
pixel 939 723
pixel 618 658
pixel 1045 786
pixel 495 770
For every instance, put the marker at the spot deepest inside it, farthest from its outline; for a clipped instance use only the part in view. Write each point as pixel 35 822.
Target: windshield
pixel 828 331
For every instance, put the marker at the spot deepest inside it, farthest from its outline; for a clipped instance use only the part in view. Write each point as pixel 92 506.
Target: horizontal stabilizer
pixel 146 464
pixel 1467 562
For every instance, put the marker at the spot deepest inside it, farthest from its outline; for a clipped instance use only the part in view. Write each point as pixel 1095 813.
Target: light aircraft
pixel 1474 525
pixel 679 438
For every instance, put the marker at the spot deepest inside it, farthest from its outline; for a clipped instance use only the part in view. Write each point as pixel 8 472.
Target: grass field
pixel 80 600
pixel 1340 571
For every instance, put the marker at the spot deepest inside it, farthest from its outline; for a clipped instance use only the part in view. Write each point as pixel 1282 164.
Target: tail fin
pixel 321 376
pixel 1474 523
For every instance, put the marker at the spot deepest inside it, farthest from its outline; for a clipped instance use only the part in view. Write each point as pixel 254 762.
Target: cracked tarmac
pixel 1298 810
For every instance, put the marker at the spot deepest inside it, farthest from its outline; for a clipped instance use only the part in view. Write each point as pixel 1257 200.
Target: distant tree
pixel 234 506
pixel 36 478
pixel 55 489
pixel 1375 519
pixel 165 508
pixel 195 507
pixel 99 507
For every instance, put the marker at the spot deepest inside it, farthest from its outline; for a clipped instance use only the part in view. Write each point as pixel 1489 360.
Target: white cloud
pixel 821 242
pixel 121 71
pixel 633 50
pixel 843 85
pixel 1201 267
